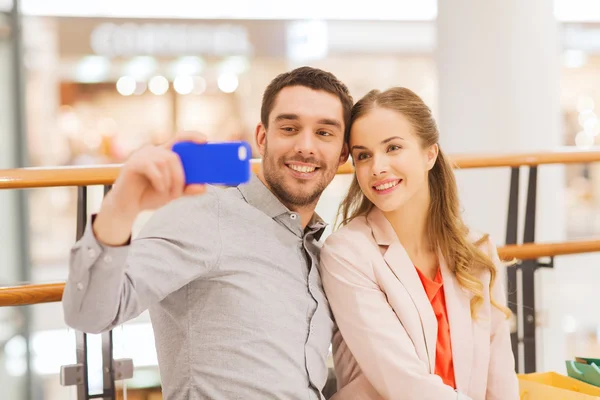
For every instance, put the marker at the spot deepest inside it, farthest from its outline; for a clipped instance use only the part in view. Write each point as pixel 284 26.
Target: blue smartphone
pixel 217 163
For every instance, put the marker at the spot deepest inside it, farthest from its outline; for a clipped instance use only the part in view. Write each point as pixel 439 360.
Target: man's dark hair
pixel 312 78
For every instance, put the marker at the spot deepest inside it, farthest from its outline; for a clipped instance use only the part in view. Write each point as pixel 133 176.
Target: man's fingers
pixel 155 176
pixel 194 189
pixel 177 176
pixel 187 136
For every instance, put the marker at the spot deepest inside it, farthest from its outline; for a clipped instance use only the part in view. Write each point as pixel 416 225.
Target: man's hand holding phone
pixel 152 177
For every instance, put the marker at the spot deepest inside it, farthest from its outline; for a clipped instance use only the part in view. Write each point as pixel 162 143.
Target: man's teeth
pixel 387 185
pixel 302 168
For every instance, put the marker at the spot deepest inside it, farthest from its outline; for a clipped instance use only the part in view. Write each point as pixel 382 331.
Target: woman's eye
pixel 362 156
pixel 394 147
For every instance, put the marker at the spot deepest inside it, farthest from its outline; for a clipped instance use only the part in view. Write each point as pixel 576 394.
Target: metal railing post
pixel 77 374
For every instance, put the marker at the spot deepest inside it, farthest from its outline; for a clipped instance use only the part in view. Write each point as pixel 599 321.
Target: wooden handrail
pixel 31 294
pixel 106 174
pixel 531 251
pixel 46 293
pixel 525 159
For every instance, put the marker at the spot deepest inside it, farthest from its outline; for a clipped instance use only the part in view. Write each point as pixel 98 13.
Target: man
pixel 230 277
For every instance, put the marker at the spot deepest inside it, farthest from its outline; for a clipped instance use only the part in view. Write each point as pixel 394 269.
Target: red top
pixel 444 367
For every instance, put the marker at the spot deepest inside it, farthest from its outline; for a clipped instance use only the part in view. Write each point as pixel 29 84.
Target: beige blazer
pixel 386 344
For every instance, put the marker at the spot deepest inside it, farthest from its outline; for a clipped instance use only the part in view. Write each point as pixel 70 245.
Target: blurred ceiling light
pixel 92 69
pixel 398 10
pixel 228 82
pixel 141 68
pixel 158 85
pixel 183 84
pixel 188 65
pixel 199 85
pixel 126 85
pixel 235 65
pixel 585 116
pixel 593 130
pixel 574 58
pixel 590 123
pixel 577 10
pixel 585 103
pixel 140 88
pixel 583 140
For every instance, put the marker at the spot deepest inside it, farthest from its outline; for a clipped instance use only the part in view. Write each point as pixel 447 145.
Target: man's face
pixel 303 145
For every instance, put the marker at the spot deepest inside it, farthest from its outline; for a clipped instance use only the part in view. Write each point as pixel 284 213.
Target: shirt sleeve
pixel 108 286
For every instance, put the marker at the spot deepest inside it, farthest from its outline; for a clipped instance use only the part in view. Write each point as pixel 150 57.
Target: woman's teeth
pixel 387 185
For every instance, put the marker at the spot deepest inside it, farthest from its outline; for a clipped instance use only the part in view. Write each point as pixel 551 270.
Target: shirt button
pixel 80 286
pixel 293 216
pixel 107 259
pixel 91 253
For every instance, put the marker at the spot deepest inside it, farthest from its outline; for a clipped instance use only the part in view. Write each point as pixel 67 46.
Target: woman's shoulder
pixel 353 233
pixel 349 250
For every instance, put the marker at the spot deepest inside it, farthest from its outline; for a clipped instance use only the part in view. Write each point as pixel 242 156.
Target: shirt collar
pixel 258 195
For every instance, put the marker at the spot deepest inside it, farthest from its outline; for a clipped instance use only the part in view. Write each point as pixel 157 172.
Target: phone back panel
pixel 217 163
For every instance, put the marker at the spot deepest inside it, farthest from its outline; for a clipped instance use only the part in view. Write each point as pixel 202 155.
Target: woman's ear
pixel 432 155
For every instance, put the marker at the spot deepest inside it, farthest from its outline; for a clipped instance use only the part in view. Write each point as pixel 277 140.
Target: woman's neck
pixel 410 224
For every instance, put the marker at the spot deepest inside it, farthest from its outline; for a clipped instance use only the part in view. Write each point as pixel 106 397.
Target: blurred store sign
pixel 299 41
pixel 307 41
pixel 169 38
pixel 164 39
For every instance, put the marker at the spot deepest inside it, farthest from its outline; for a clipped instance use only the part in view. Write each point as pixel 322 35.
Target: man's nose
pixel 305 143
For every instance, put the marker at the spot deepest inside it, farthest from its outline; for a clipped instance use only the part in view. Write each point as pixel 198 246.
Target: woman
pixel 415 294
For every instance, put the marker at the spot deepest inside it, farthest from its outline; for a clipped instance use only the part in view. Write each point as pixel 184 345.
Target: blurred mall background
pixel 100 78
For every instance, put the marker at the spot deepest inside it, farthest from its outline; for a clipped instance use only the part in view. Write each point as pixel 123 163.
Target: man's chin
pixel 299 194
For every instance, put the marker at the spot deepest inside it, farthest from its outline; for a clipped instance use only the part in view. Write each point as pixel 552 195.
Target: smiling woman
pixel 407 303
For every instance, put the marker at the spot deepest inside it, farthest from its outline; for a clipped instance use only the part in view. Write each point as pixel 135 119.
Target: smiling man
pixel 230 277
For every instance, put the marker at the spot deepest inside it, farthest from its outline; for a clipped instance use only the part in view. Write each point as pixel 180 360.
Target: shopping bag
pixel 550 385
pixel 584 369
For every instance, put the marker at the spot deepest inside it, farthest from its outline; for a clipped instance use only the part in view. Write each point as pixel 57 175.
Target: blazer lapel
pixel 458 305
pixel 403 268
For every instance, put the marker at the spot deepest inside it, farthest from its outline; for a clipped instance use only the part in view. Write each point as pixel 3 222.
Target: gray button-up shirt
pixel 231 282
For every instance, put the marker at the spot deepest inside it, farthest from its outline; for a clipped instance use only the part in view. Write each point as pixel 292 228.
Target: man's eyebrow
pixel 332 122
pixel 282 117
pixel 322 121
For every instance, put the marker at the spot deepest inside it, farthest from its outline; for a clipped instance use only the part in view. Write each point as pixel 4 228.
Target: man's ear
pixel 344 154
pixel 432 154
pixel 260 138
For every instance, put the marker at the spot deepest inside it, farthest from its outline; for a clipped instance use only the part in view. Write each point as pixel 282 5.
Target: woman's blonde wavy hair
pixel 445 226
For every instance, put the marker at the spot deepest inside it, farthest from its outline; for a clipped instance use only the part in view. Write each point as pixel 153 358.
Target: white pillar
pixel 10 256
pixel 498 73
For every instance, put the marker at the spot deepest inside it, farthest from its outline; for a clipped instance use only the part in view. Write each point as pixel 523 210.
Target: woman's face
pixel 391 164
